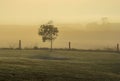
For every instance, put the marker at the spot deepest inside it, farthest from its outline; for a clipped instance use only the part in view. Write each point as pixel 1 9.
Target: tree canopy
pixel 48 32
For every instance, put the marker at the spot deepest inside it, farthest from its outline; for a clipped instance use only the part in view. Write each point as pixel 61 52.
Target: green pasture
pixel 59 65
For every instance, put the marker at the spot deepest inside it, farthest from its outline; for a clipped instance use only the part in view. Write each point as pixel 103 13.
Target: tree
pixel 48 32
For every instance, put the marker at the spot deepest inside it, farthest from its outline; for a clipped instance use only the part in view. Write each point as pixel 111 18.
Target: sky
pixel 39 11
pixel 20 20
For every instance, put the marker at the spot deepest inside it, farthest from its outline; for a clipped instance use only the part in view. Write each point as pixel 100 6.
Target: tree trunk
pixel 51 44
pixel 51 41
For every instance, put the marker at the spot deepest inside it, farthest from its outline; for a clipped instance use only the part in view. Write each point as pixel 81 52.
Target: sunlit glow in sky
pixel 36 11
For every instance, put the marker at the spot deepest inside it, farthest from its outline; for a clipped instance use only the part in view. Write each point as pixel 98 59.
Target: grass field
pixel 43 65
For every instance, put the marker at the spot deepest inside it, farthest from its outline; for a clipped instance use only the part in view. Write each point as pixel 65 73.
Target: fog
pixel 82 36
pixel 76 21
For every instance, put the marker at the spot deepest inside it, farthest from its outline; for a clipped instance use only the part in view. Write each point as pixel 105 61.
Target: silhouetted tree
pixel 48 32
pixel 105 20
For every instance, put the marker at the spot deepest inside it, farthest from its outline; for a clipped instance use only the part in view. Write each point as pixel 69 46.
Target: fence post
pixel 69 45
pixel 19 44
pixel 117 47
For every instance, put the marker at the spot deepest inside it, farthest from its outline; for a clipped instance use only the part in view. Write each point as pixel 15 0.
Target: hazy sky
pixel 37 11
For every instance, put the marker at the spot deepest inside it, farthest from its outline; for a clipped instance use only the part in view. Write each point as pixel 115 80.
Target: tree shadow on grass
pixel 48 57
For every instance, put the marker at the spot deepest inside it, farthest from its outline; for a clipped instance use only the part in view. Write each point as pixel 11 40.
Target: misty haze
pixel 59 40
pixel 82 36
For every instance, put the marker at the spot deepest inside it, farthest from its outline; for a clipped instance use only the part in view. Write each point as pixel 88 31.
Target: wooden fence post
pixel 117 47
pixel 69 45
pixel 19 44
